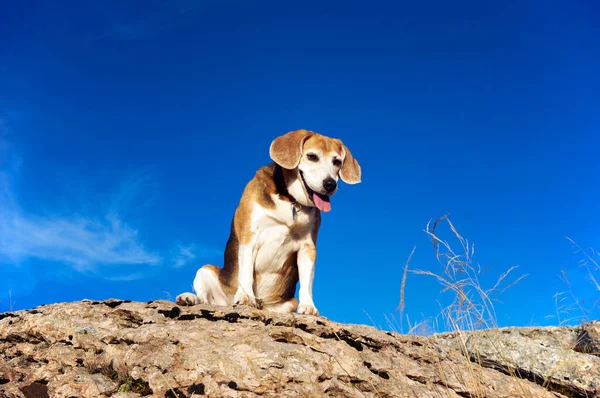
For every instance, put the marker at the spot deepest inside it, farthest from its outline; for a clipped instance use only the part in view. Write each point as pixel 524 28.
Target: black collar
pixel 283 191
pixel 280 183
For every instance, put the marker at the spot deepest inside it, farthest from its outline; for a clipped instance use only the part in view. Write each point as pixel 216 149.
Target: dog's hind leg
pixel 207 289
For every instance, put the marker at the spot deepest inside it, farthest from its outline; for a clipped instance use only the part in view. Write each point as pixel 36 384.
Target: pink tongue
pixel 323 205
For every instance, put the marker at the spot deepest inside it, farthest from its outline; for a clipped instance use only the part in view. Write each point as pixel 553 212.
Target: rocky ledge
pixel 130 349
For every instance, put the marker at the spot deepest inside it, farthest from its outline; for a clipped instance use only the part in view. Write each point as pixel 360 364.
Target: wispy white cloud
pixel 128 277
pixel 104 243
pixel 83 242
pixel 80 241
pixel 184 254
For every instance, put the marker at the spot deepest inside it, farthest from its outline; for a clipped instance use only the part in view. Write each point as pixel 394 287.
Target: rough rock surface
pixel 565 359
pixel 130 349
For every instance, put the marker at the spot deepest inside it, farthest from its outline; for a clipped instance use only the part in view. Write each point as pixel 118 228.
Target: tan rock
pixel 565 359
pixel 130 349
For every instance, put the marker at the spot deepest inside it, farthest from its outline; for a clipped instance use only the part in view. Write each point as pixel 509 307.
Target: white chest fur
pixel 279 233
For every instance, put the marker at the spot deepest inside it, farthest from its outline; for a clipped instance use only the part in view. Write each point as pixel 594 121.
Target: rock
pixel 565 359
pixel 588 339
pixel 128 349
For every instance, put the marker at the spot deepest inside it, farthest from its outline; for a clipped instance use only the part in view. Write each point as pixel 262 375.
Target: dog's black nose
pixel 329 184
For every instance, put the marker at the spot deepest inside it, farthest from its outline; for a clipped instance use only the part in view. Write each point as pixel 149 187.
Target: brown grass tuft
pixel 472 305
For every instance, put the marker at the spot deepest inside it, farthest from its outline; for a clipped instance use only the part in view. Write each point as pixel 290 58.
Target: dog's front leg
pixel 245 291
pixel 307 256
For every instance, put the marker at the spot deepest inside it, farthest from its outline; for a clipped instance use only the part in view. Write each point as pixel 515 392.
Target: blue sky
pixel 128 131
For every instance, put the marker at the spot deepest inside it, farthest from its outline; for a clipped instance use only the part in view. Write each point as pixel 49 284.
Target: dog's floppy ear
pixel 286 149
pixel 350 171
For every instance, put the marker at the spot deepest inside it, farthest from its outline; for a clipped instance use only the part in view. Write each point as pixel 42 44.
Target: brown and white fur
pixel 272 244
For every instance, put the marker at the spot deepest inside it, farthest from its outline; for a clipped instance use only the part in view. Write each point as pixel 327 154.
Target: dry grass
pixel 403 287
pixel 472 304
pixel 590 262
pixel 469 304
pixel 569 307
pixel 10 304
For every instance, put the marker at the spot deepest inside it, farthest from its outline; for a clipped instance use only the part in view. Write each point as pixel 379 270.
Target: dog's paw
pixel 241 298
pixel 308 309
pixel 187 299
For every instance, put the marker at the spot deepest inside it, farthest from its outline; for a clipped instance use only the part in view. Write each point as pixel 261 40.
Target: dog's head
pixel 319 161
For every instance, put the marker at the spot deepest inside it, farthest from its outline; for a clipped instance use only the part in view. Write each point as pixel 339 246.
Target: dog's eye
pixel 337 162
pixel 312 157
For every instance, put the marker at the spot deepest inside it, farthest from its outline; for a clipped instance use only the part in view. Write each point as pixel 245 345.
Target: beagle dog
pixel 272 243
